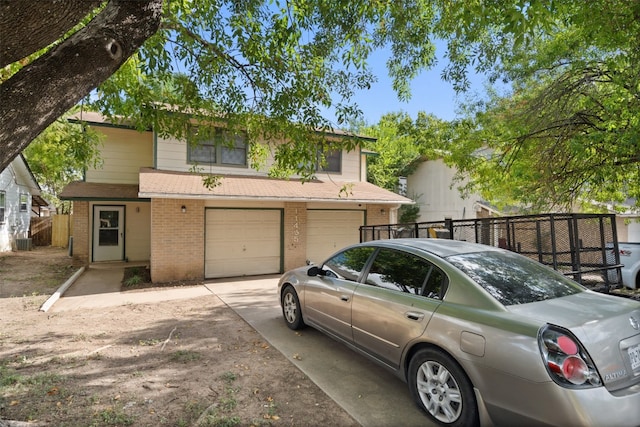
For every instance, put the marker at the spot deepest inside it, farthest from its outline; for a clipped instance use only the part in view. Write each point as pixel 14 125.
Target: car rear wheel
pixel 291 309
pixel 441 388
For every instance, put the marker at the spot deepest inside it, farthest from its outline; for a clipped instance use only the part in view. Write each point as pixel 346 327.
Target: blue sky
pixel 429 93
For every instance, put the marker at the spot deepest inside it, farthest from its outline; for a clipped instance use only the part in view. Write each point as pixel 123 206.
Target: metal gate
pixel 582 246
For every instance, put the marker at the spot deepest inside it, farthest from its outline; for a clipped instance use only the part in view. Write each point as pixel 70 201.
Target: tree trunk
pixel 45 89
pixel 28 26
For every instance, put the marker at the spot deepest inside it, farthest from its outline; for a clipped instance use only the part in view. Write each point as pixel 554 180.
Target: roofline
pixel 273 199
pixel 104 123
pixel 105 199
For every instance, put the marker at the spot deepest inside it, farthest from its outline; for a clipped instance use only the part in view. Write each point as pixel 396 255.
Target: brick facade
pixel 81 223
pixel 295 235
pixel 177 240
pixel 379 214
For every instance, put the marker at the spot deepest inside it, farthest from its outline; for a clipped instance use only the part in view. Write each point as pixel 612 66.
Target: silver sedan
pixel 481 335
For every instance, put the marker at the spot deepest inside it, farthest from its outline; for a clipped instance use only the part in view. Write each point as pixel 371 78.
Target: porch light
pixel 183 209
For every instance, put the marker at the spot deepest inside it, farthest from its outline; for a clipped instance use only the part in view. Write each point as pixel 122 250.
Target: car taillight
pixel 566 360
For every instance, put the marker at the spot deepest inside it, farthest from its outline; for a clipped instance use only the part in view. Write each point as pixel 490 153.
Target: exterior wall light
pixel 183 209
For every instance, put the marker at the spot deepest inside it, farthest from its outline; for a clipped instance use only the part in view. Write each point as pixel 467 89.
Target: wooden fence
pixel 61 231
pixel 53 230
pixel 40 230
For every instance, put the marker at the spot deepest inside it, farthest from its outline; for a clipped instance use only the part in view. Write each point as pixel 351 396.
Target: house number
pixel 296 228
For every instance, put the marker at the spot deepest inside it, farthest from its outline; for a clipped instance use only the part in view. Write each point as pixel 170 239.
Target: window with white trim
pixel 224 148
pixel 3 204
pixel 24 199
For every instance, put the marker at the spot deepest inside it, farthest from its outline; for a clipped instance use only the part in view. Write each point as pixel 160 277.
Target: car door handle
pixel 414 315
pixel 344 298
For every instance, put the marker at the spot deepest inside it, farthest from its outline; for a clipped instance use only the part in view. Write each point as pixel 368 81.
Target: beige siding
pixel 138 231
pixel 437 200
pixel 172 155
pixel 124 152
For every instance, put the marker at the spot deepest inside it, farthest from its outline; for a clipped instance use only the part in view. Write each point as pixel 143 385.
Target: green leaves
pixel 61 154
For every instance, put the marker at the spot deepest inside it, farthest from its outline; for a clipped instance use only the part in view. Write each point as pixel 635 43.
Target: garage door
pixel 329 231
pixel 242 242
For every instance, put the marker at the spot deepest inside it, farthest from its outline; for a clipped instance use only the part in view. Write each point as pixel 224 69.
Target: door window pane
pixel 108 231
pixel 349 264
pixel 399 271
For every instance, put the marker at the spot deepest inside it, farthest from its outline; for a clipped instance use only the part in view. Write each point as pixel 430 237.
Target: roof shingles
pixel 179 185
pixel 167 184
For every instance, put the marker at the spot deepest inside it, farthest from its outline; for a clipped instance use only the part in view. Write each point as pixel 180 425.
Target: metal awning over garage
pixel 184 185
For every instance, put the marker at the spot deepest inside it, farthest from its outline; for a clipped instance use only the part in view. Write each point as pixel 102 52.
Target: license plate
pixel 634 356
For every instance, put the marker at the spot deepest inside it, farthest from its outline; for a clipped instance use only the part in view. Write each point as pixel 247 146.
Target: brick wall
pixel 177 240
pixel 81 221
pixel 379 214
pixel 295 235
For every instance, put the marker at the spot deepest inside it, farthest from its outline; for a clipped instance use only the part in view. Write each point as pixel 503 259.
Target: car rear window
pixel 513 279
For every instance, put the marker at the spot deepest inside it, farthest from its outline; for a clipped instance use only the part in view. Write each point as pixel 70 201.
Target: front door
pixel 108 233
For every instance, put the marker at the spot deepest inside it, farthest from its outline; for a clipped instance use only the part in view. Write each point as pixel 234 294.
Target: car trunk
pixel 607 326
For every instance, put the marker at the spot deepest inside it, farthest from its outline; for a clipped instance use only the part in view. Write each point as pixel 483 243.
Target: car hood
pixel 604 324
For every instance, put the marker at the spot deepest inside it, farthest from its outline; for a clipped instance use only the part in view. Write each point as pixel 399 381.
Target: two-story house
pixel 145 203
pixel 19 199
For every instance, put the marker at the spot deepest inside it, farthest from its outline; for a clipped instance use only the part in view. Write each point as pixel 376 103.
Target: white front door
pixel 108 233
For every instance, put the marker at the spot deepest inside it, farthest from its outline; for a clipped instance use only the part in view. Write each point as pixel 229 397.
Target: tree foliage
pixel 401 144
pixel 61 154
pixel 276 68
pixel 569 131
pixel 273 67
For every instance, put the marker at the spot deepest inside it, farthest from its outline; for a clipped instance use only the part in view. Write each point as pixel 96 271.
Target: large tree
pixel 59 59
pixel 276 67
pixel 568 132
pixel 272 67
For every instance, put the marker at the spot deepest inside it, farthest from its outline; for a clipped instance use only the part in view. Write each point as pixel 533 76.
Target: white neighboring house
pixel 432 185
pixel 19 197
pixel 628 223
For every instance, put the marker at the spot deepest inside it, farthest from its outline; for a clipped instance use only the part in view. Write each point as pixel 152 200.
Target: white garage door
pixel 330 231
pixel 242 242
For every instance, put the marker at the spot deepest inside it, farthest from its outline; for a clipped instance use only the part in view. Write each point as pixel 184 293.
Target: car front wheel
pixel 291 309
pixel 441 388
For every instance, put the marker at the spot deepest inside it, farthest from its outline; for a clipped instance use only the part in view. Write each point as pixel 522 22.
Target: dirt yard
pixel 182 363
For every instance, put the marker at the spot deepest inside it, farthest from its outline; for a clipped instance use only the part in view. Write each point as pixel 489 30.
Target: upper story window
pixel 24 199
pixel 224 148
pixel 329 161
pixel 3 205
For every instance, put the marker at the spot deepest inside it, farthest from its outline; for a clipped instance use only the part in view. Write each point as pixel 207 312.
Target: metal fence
pixel 581 246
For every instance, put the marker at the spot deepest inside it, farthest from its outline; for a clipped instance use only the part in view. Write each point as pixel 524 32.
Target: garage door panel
pixel 242 242
pixel 331 230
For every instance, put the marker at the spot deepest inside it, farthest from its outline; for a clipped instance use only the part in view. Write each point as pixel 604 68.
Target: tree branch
pixel 22 29
pixel 42 91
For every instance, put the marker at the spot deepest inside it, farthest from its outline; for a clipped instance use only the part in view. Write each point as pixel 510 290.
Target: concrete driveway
pixel 372 395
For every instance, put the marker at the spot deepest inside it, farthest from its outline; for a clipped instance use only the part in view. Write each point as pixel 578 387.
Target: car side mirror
pixel 315 271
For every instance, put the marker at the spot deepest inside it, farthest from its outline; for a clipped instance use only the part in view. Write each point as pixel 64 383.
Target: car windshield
pixel 513 279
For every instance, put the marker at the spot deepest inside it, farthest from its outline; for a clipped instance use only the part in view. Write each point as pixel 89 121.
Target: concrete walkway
pixel 372 395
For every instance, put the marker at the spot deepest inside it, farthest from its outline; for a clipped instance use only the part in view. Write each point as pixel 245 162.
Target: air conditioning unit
pixel 23 244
